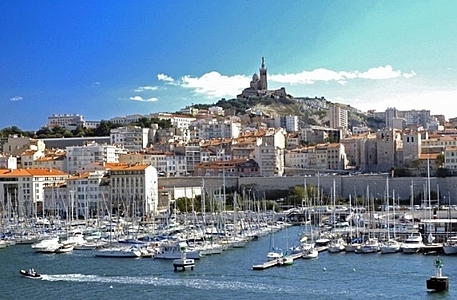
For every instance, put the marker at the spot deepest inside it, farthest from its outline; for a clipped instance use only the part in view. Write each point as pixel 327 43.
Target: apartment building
pixel 80 156
pixel 167 163
pixel 450 157
pixel 16 145
pixel 8 162
pixel 134 189
pixel 215 129
pixel 301 158
pixel 70 121
pixel 289 123
pixel 126 120
pixel 84 196
pixel 22 190
pixel 338 116
pixel 131 138
pixel 235 167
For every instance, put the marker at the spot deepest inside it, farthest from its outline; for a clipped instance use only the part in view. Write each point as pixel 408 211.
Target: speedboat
pixel 31 273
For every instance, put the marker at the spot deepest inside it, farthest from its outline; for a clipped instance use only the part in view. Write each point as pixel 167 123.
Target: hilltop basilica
pixel 259 86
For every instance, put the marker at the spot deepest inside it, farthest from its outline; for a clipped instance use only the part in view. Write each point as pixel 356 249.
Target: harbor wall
pixel 344 185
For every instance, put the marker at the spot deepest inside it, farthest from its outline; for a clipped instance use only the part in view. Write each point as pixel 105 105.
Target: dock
pixel 275 262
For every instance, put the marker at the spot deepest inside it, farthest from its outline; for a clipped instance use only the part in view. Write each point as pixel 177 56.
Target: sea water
pixel 81 275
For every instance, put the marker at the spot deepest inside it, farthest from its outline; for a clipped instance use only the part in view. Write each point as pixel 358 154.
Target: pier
pixel 276 262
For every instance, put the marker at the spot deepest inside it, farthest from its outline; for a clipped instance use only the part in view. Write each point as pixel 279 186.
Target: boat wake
pixel 202 284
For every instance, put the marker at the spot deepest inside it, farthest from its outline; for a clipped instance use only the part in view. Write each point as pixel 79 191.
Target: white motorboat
pixel 49 245
pixel 173 251
pixel 390 246
pixel 285 261
pixel 275 254
pixel 310 253
pixel 413 243
pixel 3 244
pixel 336 245
pixel 121 252
pixel 88 246
pixel 450 246
pixel 353 246
pixel 370 246
pixel 183 262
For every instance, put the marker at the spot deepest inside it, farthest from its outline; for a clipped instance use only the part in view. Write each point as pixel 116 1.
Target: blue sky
pixel 104 59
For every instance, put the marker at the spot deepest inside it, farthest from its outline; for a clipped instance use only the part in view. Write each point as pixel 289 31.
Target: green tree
pixel 440 160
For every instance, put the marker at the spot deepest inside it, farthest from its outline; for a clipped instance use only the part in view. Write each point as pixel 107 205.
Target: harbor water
pixel 81 275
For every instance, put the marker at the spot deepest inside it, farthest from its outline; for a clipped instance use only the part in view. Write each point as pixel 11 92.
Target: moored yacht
pixel 370 246
pixel 413 243
pixel 132 252
pixel 48 245
pixel 173 251
pixel 390 246
pixel 450 246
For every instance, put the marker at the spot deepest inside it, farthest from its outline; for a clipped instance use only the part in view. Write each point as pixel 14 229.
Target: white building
pixel 269 152
pixel 289 123
pixel 80 156
pixel 8 162
pixel 66 120
pixel 126 120
pixel 338 116
pixel 450 157
pixel 417 117
pixel 177 120
pixel 390 115
pixel 82 196
pixel 22 190
pixel 167 164
pixel 215 129
pixel 131 138
pixel 134 189
pixel 216 110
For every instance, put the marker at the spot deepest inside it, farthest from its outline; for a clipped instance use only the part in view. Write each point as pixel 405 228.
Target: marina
pixel 228 275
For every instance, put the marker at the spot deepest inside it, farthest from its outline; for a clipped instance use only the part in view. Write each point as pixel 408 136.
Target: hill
pixel 310 111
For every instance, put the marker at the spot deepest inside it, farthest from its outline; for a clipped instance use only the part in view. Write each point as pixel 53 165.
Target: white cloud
pixel 213 84
pixel 145 88
pixel 310 77
pixel 166 78
pixel 409 75
pixel 96 83
pixel 141 99
pixel 16 98
pixel 386 72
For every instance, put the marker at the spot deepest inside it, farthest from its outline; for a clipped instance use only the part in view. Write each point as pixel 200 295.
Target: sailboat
pixel 337 244
pixel 430 246
pixel 390 245
pixel 354 242
pixel 274 252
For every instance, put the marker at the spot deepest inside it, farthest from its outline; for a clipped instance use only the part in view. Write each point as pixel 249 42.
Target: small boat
pixel 183 262
pixel 310 253
pixel 285 261
pixel 31 273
